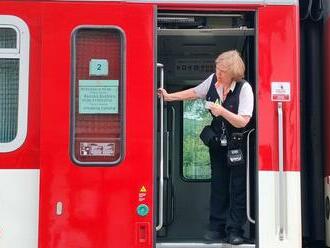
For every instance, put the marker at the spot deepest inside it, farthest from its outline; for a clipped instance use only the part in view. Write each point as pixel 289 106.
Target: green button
pixel 142 210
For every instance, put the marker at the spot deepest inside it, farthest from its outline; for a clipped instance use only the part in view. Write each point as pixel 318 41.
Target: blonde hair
pixel 233 61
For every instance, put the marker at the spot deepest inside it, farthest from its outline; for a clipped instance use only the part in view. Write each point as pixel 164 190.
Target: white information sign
pixel 98 96
pixel 97 149
pixel 281 91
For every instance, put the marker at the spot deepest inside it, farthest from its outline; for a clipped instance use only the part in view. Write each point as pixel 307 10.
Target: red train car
pixel 90 157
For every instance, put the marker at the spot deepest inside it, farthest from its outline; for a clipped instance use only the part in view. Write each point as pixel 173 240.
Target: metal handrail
pixel 281 180
pixel 161 164
pixel 248 213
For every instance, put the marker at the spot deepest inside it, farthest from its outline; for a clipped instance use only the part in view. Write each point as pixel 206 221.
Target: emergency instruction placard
pixel 281 91
pixel 97 149
pixel 98 96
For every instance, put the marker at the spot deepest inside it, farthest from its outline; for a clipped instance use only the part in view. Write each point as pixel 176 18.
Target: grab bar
pixel 161 165
pixel 248 213
pixel 281 180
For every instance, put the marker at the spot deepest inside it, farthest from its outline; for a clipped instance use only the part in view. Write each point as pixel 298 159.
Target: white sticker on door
pixel 281 91
pixel 97 149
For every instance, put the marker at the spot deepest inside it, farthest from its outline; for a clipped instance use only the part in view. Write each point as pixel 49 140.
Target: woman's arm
pixel 188 94
pixel 245 108
pixel 238 121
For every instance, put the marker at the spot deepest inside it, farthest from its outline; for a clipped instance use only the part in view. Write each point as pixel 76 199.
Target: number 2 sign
pixel 98 67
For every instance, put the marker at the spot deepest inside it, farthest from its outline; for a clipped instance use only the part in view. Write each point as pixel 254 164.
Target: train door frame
pixel 278 166
pixel 221 34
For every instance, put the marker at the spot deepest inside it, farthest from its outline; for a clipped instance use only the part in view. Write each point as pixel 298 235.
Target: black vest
pixel 231 103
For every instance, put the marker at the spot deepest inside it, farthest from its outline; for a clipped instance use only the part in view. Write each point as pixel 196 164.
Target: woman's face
pixel 223 74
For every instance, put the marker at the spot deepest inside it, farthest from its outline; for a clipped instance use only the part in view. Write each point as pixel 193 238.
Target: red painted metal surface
pixel 27 156
pixel 278 61
pixel 99 203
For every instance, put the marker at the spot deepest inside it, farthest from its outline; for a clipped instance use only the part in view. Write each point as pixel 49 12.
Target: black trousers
pixel 228 194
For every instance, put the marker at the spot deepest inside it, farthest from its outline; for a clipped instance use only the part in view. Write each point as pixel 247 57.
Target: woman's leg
pixel 237 210
pixel 219 199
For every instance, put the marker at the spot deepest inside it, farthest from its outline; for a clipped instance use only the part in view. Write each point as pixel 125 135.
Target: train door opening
pixel 187 46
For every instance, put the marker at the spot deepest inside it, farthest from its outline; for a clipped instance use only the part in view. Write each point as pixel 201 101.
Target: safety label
pixel 97 149
pixel 142 194
pixel 281 92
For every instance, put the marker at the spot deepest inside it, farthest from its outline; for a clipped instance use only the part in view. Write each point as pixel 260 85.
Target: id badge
pixel 223 140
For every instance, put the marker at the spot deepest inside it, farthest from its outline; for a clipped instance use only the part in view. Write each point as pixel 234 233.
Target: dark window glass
pixel 9 81
pixel 8 38
pixel 98 102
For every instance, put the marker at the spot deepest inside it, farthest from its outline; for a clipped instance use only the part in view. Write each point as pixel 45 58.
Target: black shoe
pixel 214 236
pixel 235 239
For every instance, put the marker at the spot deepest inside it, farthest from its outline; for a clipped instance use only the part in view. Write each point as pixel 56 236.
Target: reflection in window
pixel 196 161
pixel 9 81
pixel 8 38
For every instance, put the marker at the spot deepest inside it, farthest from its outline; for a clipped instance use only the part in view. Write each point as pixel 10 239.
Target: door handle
pixel 248 195
pixel 161 162
pixel 281 191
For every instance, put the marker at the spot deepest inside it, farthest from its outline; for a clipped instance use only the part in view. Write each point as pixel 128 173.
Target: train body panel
pixel 94 131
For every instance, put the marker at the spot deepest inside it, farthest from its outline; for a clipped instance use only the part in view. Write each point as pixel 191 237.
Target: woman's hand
pixel 216 109
pixel 236 120
pixel 163 93
pixel 188 94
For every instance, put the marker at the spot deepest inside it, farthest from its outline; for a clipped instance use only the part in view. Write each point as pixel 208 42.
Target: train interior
pixel 187 45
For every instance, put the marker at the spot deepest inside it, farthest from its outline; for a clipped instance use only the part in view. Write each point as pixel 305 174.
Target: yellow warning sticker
pixel 143 189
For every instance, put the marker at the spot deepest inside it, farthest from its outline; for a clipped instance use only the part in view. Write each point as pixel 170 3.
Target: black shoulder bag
pixel 208 135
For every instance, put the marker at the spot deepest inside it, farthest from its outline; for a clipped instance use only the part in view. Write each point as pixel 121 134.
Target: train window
pixel 196 161
pixel 14 68
pixel 9 82
pixel 8 37
pixel 97 129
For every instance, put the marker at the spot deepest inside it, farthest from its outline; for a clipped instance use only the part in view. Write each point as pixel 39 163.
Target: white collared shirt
pixel 245 106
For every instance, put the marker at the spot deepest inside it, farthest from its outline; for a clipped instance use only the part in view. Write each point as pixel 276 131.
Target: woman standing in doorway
pixel 230 101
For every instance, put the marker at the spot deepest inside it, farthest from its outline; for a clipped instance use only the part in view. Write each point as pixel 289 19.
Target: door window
pixel 196 160
pixel 97 96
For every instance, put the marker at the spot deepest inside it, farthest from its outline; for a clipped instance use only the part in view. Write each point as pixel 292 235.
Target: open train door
pixel 97 125
pixel 269 37
pixel 188 41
